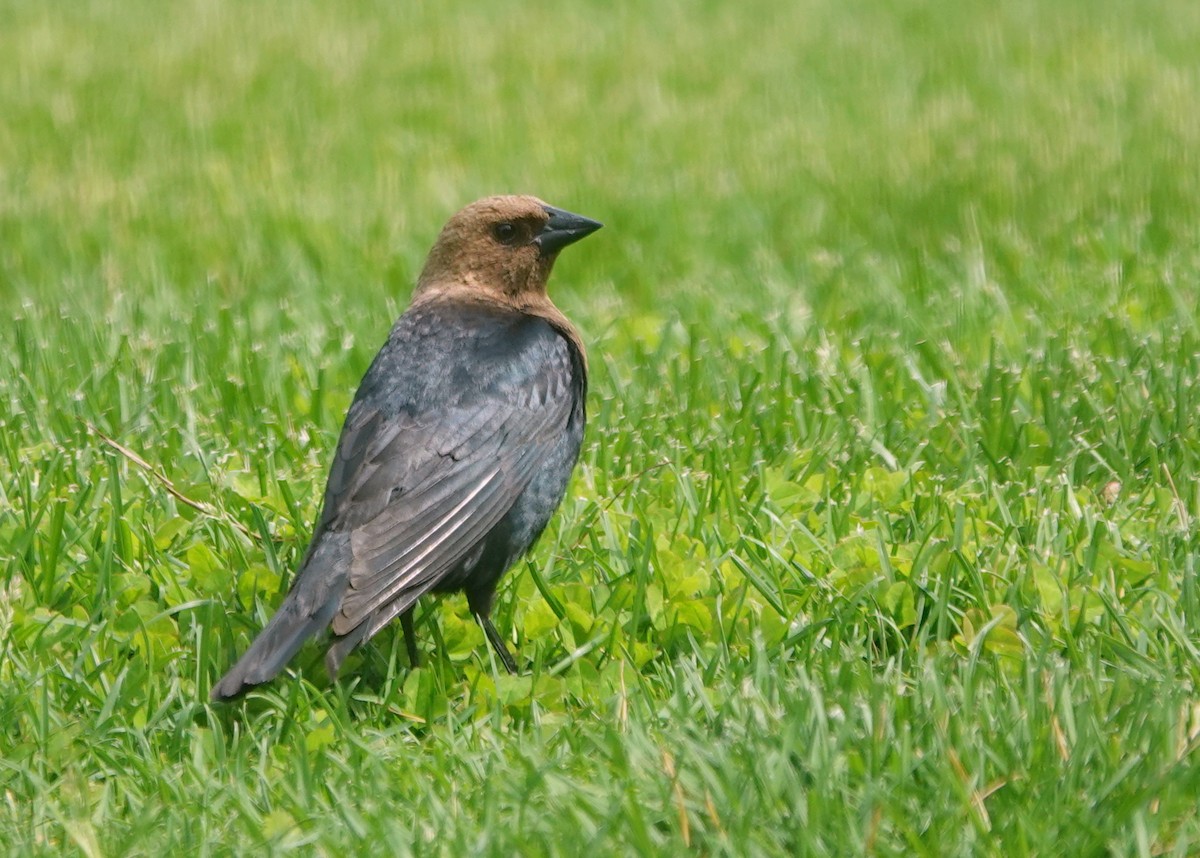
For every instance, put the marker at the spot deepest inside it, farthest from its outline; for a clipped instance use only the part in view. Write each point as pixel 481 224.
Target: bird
pixel 457 447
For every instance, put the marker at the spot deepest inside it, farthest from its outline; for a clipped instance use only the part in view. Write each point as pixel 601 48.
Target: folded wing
pixel 418 492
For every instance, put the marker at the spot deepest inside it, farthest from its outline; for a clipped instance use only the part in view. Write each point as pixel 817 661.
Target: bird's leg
pixel 497 642
pixel 410 638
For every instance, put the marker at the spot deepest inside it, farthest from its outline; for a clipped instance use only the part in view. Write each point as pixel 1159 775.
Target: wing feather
pixel 402 554
pixel 419 495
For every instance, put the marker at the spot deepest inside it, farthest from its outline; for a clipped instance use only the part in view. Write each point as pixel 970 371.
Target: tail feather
pixel 306 611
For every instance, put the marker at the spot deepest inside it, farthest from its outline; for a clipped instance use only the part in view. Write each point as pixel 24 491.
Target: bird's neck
pixel 530 303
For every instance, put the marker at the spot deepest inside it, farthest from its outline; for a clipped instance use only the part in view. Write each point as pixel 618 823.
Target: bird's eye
pixel 505 233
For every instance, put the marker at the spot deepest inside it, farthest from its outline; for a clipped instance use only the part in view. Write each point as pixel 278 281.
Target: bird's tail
pixel 308 608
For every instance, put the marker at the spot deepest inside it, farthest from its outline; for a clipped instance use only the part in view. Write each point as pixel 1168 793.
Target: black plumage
pixel 456 450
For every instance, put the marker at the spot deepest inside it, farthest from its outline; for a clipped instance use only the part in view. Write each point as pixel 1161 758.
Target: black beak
pixel 562 229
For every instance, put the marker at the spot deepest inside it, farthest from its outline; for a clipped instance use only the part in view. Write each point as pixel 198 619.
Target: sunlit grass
pixel 884 537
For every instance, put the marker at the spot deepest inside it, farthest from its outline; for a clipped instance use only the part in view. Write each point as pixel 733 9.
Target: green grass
pixel 885 535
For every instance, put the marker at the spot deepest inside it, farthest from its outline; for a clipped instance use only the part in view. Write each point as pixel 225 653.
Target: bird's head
pixel 501 247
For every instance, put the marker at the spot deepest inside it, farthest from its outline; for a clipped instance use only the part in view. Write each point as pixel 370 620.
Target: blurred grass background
pixel 884 537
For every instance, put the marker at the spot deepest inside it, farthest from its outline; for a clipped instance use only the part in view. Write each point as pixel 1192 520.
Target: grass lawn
pixel 886 531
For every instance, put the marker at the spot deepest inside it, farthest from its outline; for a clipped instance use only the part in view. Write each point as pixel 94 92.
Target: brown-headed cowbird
pixel 457 448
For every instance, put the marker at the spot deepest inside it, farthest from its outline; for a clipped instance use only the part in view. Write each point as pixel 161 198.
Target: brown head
pixel 500 249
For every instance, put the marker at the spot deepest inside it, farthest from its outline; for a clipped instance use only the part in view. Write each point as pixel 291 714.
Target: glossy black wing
pixel 418 486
